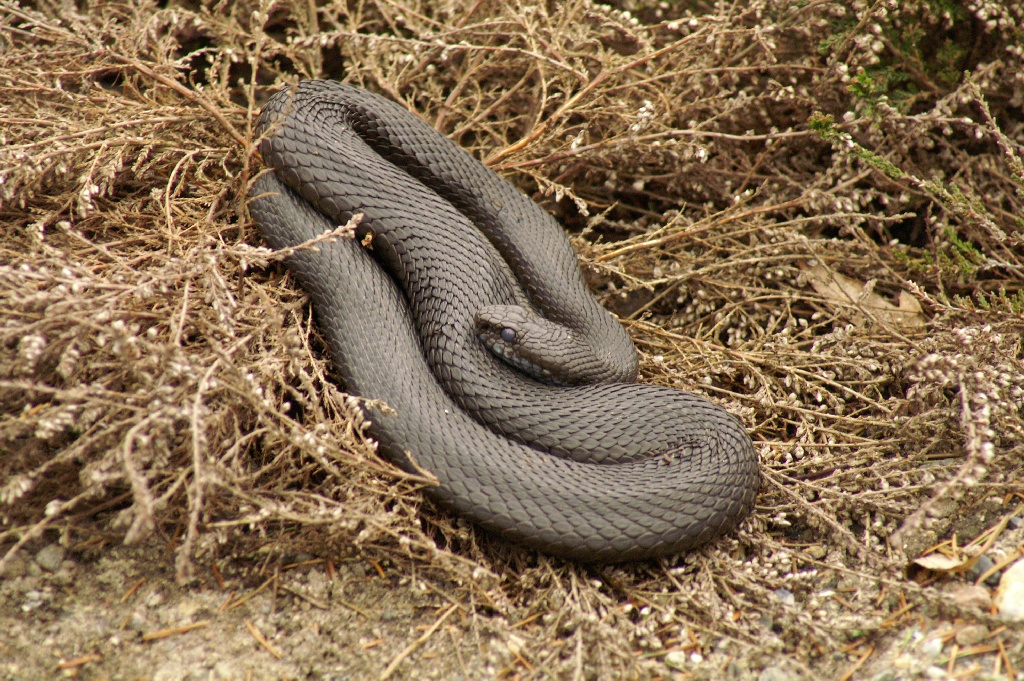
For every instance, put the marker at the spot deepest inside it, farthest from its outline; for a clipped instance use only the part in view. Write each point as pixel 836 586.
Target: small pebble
pixel 972 596
pixel 185 611
pixel 676 660
pixel 227 671
pixel 15 567
pixel 971 635
pixel 931 647
pixel 50 557
pixel 816 552
pixel 1016 522
pixel 779 672
pixel 65 575
pixel 171 670
pixel 515 644
pixel 27 583
pixel 34 599
pixel 983 565
pixel 1010 596
pixel 785 595
pixel 137 621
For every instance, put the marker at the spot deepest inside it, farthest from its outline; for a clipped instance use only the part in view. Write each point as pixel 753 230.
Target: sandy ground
pixel 110 612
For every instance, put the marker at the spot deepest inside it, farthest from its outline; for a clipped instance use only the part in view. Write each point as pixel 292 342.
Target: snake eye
pixel 508 335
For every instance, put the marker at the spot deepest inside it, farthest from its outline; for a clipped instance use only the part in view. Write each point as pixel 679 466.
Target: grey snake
pixel 605 470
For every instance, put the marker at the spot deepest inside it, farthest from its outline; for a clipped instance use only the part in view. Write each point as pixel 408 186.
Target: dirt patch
pixel 292 621
pixel 811 215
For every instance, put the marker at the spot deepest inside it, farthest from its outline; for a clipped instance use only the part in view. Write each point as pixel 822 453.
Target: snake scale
pixel 606 470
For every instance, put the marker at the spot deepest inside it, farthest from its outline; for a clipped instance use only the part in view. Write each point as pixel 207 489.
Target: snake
pixel 461 305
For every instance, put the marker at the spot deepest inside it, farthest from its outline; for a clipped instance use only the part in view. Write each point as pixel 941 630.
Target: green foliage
pixel 957 256
pixel 946 65
pixel 913 265
pixel 962 256
pixel 836 37
pixel 995 301
pixel 864 86
pixel 924 52
pixel 825 127
pixel 883 83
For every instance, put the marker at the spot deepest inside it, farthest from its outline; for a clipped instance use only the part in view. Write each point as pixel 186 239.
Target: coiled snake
pixel 607 470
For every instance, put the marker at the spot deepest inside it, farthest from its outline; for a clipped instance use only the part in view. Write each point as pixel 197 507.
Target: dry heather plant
pixel 810 213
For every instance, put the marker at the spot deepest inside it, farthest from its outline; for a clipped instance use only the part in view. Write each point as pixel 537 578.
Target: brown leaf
pixel 845 292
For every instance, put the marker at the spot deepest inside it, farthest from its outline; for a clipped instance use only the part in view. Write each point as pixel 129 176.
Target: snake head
pixel 535 345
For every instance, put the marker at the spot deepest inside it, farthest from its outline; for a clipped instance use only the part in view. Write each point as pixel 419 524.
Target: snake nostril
pixel 508 335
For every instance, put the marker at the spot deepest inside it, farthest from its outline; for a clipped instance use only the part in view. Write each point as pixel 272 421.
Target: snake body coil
pixel 606 471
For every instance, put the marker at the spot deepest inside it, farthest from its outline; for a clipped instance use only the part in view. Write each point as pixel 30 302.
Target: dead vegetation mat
pixel 795 216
